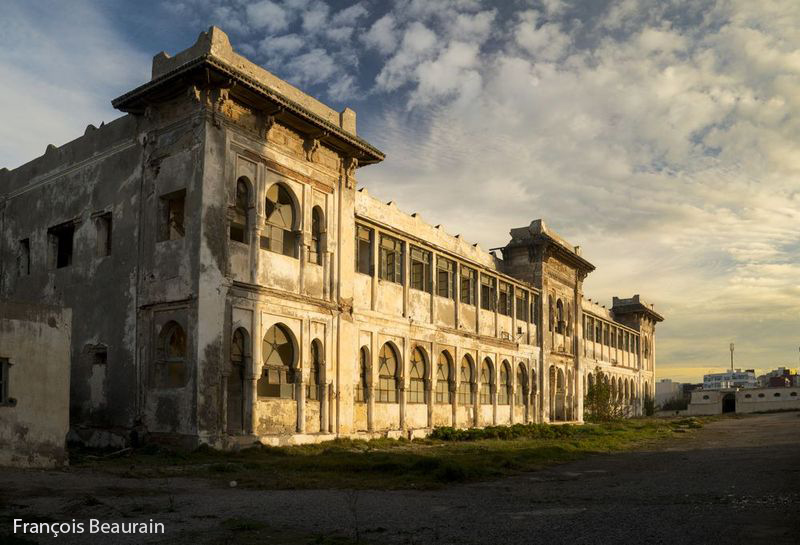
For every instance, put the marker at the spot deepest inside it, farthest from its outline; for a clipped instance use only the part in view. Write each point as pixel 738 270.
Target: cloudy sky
pixel 660 135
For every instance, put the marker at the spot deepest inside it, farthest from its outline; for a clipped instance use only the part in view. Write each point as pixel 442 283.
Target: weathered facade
pixel 214 245
pixel 34 384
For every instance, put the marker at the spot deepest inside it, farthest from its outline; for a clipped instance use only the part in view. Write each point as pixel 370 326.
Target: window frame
pixel 420 262
pixel 488 282
pixel 444 390
pixel 285 372
pixel 446 267
pixel 466 397
pixel 394 247
pixel 387 387
pixel 469 280
pixel 288 235
pixel 417 377
pixel 369 241
pixel 505 297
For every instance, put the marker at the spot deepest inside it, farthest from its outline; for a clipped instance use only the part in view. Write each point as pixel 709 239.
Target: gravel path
pixel 734 481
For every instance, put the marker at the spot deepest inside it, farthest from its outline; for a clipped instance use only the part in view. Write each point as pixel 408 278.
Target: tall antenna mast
pixel 731 356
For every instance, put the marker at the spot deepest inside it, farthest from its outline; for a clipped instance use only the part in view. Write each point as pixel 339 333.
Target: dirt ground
pixel 737 480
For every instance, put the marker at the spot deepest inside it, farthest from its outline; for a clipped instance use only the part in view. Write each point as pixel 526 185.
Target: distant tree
pixel 679 403
pixel 649 405
pixel 600 403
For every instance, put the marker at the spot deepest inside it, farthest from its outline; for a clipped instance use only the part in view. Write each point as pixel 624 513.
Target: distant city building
pixel 667 390
pixel 730 379
pixel 779 378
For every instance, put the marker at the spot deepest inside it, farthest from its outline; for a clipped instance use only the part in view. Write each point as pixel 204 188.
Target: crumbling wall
pixel 34 420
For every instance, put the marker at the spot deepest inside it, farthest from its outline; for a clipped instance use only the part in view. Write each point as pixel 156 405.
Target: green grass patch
pixel 448 456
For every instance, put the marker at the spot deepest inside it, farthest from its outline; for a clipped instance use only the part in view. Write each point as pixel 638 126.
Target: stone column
pixel 476 402
pixel 254 372
pixel 224 402
pixel 300 394
pixel 323 406
pixel 372 370
pixel 326 275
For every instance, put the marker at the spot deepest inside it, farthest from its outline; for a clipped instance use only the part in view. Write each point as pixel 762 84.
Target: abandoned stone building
pixel 228 280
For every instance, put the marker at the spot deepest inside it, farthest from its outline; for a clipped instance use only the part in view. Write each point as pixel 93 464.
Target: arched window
pixel 568 325
pixel 443 378
pixel 317 228
pixel 416 385
pixel 646 347
pixel 362 386
pixel 387 375
pixel 560 325
pixel 522 386
pixel 504 392
pixel 279 233
pixel 313 386
pixel 277 374
pixel 171 360
pixel 238 348
pixel 466 379
pixel 550 312
pixel 239 227
pixel 487 382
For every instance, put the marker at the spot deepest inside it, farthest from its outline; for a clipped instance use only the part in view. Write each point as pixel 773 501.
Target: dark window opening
pixel 488 292
pixel 364 249
pixel 172 208
pixel 61 243
pixel 362 387
pixel 5 369
pixel 317 224
pixel 522 306
pixel 170 369
pixel 314 385
pixel 24 257
pixel 239 220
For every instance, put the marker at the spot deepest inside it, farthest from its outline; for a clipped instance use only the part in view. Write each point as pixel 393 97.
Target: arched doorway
pixel 729 403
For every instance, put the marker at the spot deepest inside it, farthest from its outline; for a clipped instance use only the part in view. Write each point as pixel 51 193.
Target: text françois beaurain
pixel 94 526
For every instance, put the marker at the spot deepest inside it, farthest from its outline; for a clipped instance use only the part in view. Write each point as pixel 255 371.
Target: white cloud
pixel 313 67
pixel 418 43
pixel 349 16
pixel 281 46
pixel 268 16
pixel 382 35
pixel 59 74
pixel 546 42
pixel 316 17
pixel 667 151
